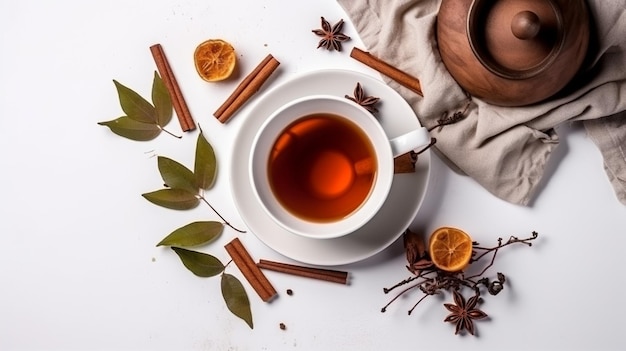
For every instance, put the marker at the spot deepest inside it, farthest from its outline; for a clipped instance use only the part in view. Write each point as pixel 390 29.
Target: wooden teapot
pixel 513 52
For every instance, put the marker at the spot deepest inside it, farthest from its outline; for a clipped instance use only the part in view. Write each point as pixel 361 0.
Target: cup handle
pixel 410 141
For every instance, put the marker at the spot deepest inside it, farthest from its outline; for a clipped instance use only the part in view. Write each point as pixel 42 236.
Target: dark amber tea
pixel 316 167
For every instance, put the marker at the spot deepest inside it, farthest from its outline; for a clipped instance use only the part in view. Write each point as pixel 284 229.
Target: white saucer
pixel 401 207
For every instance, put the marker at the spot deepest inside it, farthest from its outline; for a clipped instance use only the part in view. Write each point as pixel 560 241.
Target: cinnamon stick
pixel 307 272
pixel 248 87
pixel 250 271
pixel 178 101
pixel 379 65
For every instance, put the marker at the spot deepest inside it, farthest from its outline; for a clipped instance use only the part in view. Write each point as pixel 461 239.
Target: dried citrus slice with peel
pixel 215 60
pixel 450 249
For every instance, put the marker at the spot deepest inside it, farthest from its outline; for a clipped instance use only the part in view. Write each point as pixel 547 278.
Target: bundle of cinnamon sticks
pixel 259 282
pixel 244 91
pixel 253 82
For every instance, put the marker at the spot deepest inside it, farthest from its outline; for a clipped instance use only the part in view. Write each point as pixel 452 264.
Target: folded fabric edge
pixel 609 135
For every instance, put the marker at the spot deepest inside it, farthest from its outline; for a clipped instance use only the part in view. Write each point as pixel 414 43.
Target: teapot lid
pixel 515 39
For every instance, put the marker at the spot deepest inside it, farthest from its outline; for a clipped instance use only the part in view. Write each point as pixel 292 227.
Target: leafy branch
pixel 142 121
pixel 233 292
pixel 184 189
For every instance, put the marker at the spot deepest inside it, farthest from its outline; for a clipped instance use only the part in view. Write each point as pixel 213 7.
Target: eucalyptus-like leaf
pixel 205 167
pixel 193 234
pixel 236 298
pixel 176 199
pixel 161 100
pixel 134 105
pixel 200 264
pixel 177 176
pixel 132 129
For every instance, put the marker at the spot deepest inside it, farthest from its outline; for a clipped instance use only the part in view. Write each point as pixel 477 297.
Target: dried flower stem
pixel 417 303
pixel 512 240
pixel 417 285
pixel 406 281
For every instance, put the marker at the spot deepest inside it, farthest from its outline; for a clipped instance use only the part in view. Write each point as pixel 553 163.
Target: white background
pixel 79 269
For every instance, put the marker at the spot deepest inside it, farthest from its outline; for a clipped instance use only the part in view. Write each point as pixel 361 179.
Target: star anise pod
pixel 464 314
pixel 360 98
pixel 331 36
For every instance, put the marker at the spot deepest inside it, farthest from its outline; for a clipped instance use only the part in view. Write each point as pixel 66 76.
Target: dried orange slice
pixel 450 249
pixel 215 60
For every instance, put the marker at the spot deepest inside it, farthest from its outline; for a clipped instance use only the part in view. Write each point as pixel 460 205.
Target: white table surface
pixel 79 269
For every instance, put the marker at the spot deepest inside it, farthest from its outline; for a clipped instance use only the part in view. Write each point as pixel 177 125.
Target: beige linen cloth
pixel 505 149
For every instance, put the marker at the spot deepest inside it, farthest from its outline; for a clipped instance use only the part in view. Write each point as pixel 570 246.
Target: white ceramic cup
pixel 384 150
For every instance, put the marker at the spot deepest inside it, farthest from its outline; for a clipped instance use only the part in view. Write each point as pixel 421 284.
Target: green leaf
pixel 200 264
pixel 134 105
pixel 236 298
pixel 205 167
pixel 162 101
pixel 193 234
pixel 176 199
pixel 132 129
pixel 177 176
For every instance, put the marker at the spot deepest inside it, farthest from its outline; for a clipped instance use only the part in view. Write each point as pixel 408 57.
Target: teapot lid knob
pixel 525 25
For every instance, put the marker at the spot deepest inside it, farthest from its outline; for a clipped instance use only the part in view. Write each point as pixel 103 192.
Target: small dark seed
pixel 282 326
pixel 289 292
